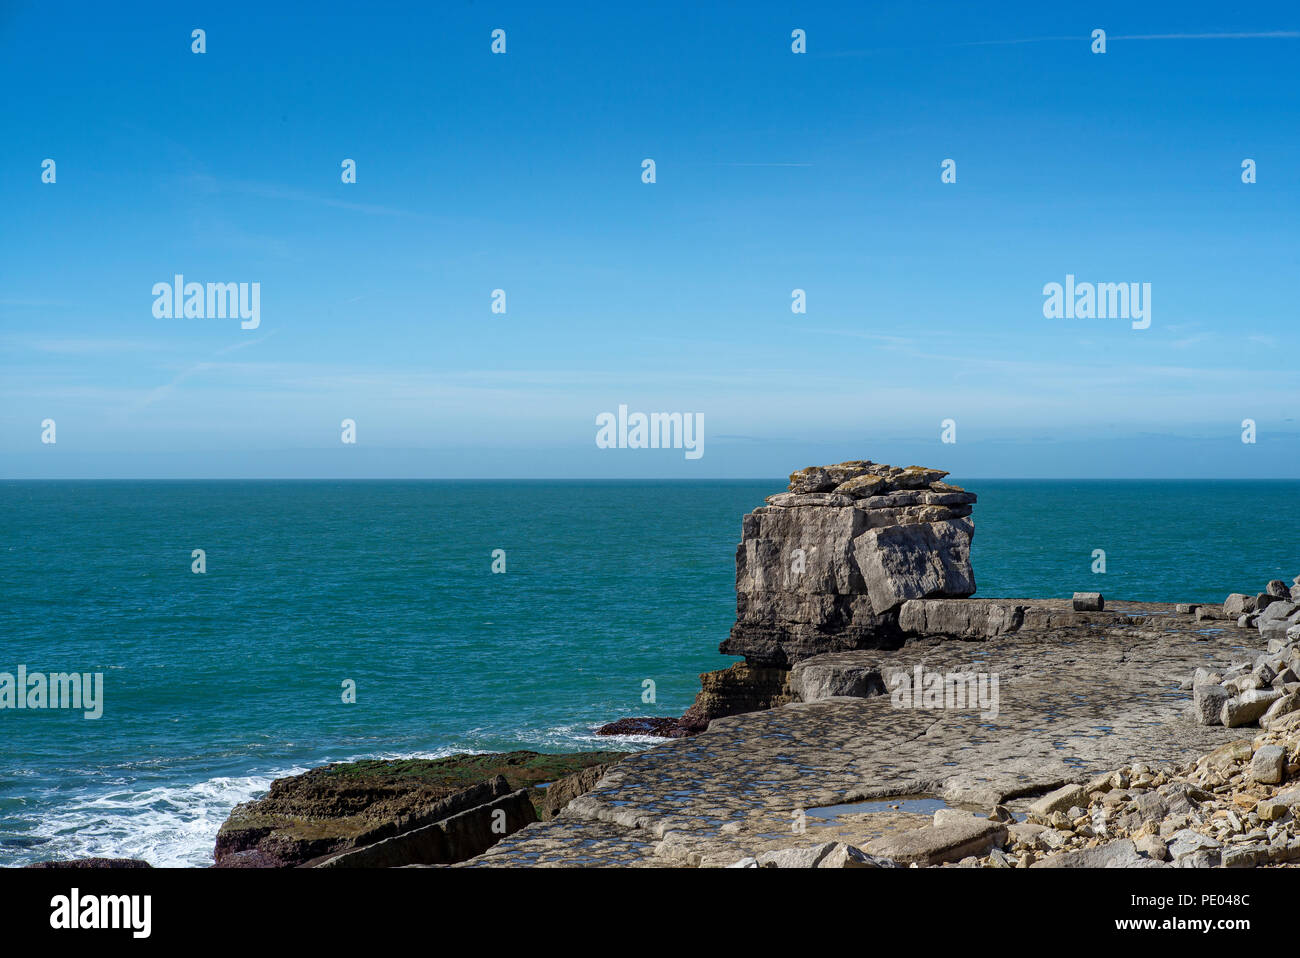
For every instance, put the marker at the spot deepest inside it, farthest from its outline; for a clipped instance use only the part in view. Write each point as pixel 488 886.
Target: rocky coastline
pixel 1105 733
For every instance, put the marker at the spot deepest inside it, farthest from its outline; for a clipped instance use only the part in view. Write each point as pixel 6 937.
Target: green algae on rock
pixel 349 805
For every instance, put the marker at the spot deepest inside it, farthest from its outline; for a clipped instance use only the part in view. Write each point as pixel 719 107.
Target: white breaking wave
pixel 169 826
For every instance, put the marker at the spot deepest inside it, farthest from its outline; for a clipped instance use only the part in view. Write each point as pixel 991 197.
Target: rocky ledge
pixel 388 813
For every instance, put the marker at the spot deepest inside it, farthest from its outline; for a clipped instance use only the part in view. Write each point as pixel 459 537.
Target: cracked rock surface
pixel 1079 694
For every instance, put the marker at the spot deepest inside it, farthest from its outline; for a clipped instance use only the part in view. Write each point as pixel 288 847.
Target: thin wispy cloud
pixel 164 391
pixel 1264 35
pixel 273 191
pixel 1073 38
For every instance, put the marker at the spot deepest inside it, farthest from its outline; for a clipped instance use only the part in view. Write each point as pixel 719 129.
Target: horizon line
pixel 588 479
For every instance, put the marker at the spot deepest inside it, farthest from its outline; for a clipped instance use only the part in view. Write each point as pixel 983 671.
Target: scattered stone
pixel 1268 766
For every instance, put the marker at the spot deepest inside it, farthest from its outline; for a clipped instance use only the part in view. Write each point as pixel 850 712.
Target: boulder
pixel 812 479
pixel 1280 616
pixel 1278 588
pixel 1088 602
pixel 836 674
pixel 861 487
pixel 1058 801
pixel 1238 604
pixel 1268 765
pixel 1191 849
pixel 1288 704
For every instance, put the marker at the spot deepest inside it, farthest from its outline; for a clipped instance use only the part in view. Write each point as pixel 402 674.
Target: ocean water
pixel 215 684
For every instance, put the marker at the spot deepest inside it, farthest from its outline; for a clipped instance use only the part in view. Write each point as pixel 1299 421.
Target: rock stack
pixel 825 566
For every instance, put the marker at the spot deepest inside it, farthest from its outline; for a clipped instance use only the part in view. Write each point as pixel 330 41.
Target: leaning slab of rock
pixel 1065 797
pixel 922 561
pixel 1248 707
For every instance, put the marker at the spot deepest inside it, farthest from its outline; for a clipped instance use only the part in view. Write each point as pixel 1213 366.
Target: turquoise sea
pixel 217 683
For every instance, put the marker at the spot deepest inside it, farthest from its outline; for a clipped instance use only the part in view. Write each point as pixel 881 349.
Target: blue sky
pixel 522 172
